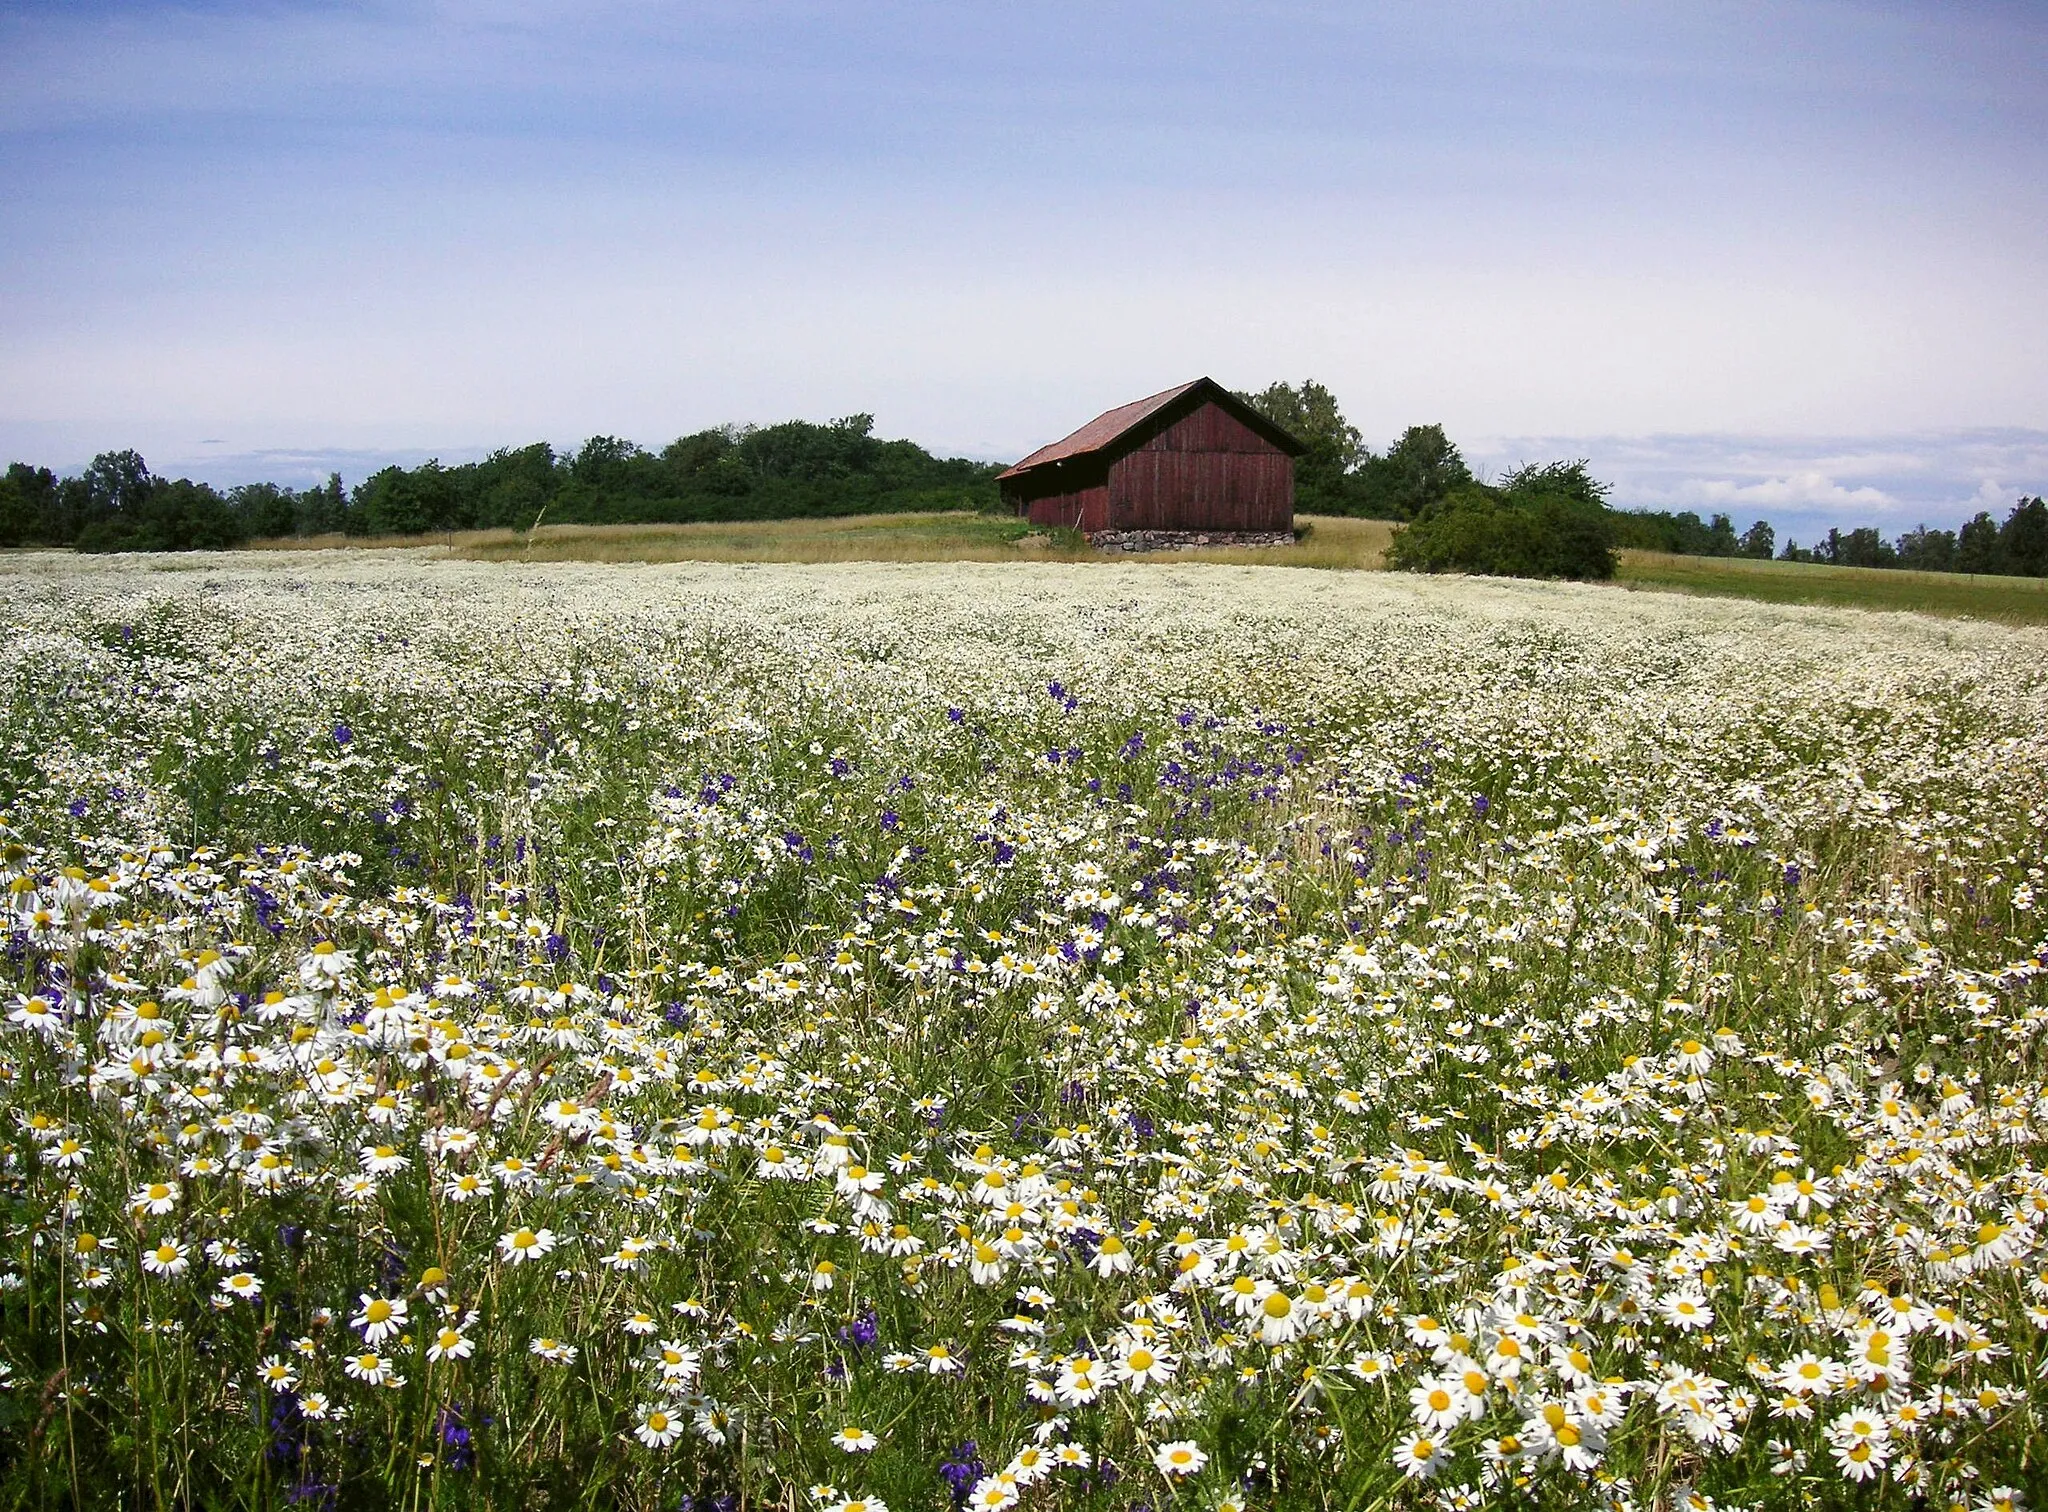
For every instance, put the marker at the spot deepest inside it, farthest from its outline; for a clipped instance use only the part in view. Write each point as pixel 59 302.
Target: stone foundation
pixel 1182 540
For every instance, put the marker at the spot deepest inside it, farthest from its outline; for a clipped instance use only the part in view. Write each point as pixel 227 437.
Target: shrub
pixel 1536 525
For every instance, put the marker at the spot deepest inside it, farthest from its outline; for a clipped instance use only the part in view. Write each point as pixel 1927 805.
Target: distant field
pixel 2008 598
pixel 1329 542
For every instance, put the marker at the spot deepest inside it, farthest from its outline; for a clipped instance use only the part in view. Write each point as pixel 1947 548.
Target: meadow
pixel 1328 541
pixel 857 1038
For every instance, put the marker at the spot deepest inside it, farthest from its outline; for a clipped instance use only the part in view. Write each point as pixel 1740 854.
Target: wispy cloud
pixel 1799 490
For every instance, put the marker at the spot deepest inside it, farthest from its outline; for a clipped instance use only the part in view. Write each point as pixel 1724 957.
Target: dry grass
pixel 948 537
pixel 1329 541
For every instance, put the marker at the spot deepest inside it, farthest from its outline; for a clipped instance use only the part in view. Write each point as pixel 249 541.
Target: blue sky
pixel 1782 259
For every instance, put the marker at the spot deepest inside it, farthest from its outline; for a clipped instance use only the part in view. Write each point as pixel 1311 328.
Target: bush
pixel 1544 522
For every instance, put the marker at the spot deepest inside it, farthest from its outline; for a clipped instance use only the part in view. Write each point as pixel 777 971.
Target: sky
pixel 1784 260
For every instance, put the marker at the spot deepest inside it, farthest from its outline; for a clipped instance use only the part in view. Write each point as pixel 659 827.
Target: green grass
pixel 1953 593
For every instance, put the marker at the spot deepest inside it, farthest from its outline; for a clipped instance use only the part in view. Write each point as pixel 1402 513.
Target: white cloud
pixel 1806 489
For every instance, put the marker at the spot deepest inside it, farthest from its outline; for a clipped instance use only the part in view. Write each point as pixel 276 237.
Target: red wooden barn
pixel 1193 461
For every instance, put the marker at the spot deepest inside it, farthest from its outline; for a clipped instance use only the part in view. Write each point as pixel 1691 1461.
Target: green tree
pixel 1927 550
pixel 28 504
pixel 390 504
pixel 263 509
pixel 316 511
pixel 117 482
pixel 516 487
pixel 2023 539
pixel 1978 548
pixel 1758 541
pixel 1312 416
pixel 1420 469
pixel 1861 547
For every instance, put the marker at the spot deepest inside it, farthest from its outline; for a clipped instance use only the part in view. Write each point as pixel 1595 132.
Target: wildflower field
pixel 942 1036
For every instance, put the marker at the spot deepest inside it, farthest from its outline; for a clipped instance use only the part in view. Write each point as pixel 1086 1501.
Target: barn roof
pixel 1111 426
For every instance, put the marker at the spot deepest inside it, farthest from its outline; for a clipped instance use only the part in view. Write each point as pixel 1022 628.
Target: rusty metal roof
pixel 1110 425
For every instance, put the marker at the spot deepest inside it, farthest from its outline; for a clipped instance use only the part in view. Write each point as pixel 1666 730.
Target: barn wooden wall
pixel 1083 509
pixel 1208 471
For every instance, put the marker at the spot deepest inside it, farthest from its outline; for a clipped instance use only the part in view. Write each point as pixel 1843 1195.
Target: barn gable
pixel 1191 460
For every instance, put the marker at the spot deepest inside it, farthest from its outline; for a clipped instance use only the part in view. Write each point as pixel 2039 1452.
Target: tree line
pixel 797 468
pixel 1550 520
pixel 2017 548
pixel 1554 520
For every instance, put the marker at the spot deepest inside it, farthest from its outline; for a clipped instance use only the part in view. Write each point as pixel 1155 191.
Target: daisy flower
pixel 373 1369
pixel 1419 1455
pixel 524 1244
pixel 277 1373
pixel 1686 1310
pixel 380 1318
pixel 1438 1404
pixel 658 1428
pixel 155 1199
pixel 1280 1320
pixel 1138 1365
pixel 1181 1457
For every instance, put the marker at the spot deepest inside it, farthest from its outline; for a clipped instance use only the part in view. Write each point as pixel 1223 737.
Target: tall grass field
pixel 486 1031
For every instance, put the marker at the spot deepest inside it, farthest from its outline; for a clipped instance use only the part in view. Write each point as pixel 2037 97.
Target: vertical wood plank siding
pixel 1084 509
pixel 1207 471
